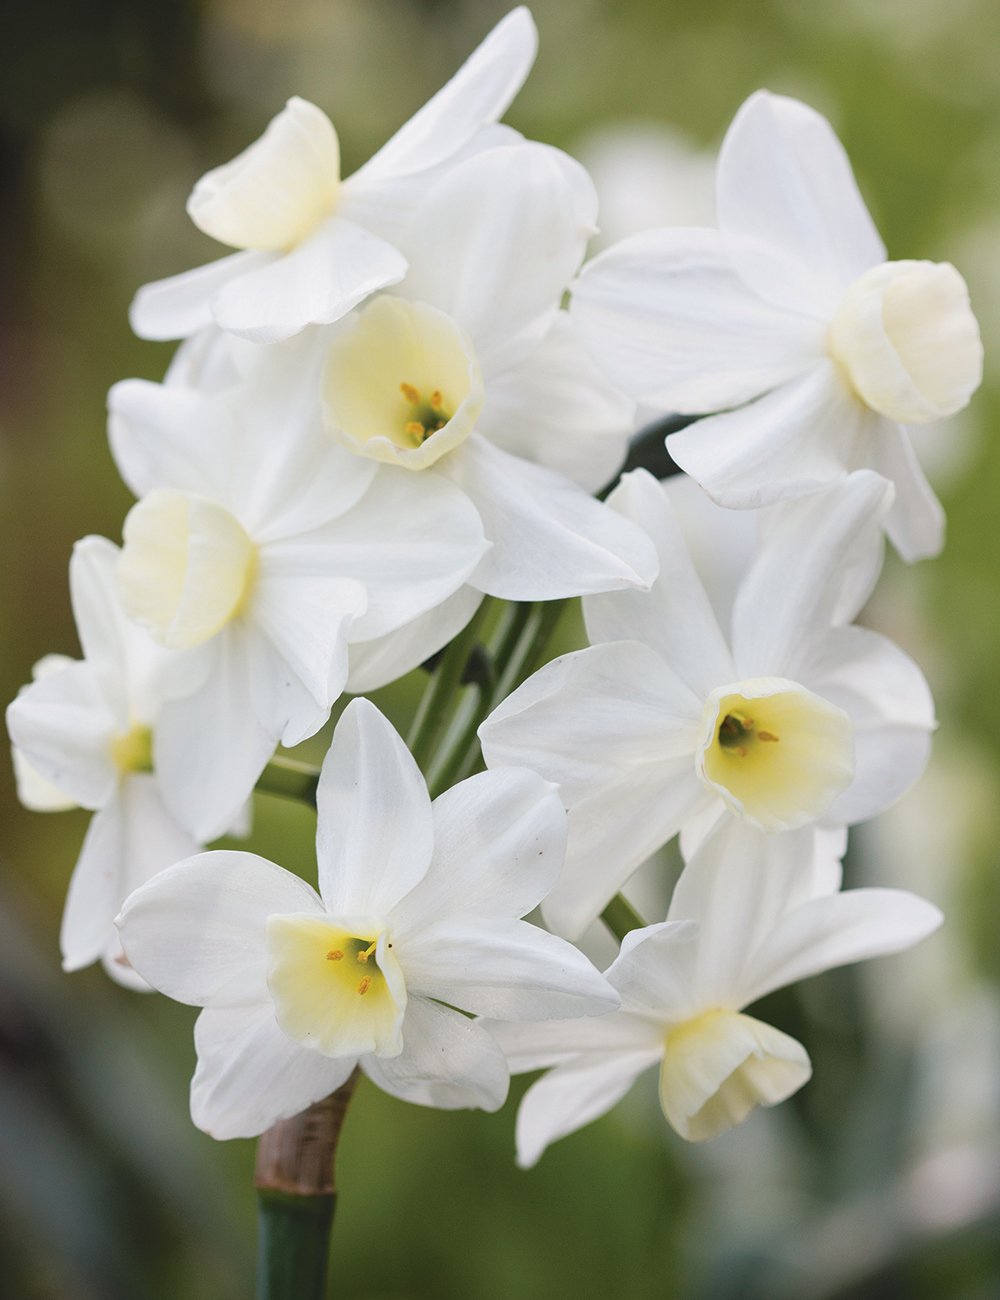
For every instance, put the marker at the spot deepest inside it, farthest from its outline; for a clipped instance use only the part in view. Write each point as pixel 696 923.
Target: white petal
pixel 64 727
pixel 507 969
pixel 536 1045
pixel 196 930
pixel 447 1061
pixel 182 304
pixel 573 1095
pixel 667 316
pixel 787 603
pixel 833 931
pixel 375 833
pixel 789 206
pixel 34 791
pixel 210 747
pixel 250 1075
pixel 655 969
pixel 550 539
pixel 587 717
pixel 127 843
pixel 495 245
pixel 169 438
pixel 386 658
pixel 307 613
pixel 916 522
pixel 318 282
pixel 479 93
pixel 413 540
pixel 557 409
pixel 892 710
pixel 611 833
pixel 675 618
pixel 795 440
pixel 738 887
pixel 499 843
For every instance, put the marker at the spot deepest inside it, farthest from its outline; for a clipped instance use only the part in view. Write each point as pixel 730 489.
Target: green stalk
pixel 431 722
pixel 290 779
pixel 297 1197
pixel 620 917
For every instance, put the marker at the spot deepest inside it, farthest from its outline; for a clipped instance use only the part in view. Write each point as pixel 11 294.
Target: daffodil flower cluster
pixel 382 412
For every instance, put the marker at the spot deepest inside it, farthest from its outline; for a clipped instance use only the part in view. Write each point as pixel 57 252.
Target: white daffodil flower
pixel 82 734
pixel 789 320
pixel 258 548
pixel 470 372
pixel 314 246
pixel 750 914
pixel 417 914
pixel 661 726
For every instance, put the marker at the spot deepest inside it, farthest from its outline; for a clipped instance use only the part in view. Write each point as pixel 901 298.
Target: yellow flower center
pixel 336 984
pixel 776 753
pixel 402 384
pixel 133 751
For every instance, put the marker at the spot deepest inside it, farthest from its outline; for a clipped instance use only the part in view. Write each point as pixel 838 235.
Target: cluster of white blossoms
pixel 382 412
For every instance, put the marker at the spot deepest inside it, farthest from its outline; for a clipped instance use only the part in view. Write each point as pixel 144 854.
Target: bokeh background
pixel 881 1178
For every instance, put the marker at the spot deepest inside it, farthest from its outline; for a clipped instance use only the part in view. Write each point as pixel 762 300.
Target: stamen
pixel 334 955
pixel 437 401
pixel 363 956
pixel 767 735
pixel 411 394
pixel 365 985
pixel 415 428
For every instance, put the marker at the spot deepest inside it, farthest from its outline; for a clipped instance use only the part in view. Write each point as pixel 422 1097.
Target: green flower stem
pixel 434 713
pixel 290 779
pixel 296 1199
pixel 620 917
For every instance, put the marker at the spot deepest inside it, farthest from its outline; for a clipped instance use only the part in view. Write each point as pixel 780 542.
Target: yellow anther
pixel 363 956
pixel 415 428
pixel 410 393
pixel 334 955
pixel 766 735
pixel 437 401
pixel 365 985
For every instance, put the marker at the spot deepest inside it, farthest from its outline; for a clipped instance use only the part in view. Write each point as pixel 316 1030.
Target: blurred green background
pixel 882 1178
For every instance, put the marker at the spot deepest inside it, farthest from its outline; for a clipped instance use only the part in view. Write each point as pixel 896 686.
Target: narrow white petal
pixel 833 931
pixel 128 841
pixel 196 930
pixel 587 717
pixel 789 599
pixel 250 1075
pixel 506 969
pixel 536 1045
pixel 317 283
pixel 64 728
pixel 386 658
pixel 478 93
pixel 210 747
pixel 655 969
pixel 675 618
pixel 375 832
pixel 916 522
pixel 34 791
pixel 177 307
pixel 447 1061
pixel 550 539
pixel 166 437
pixel 499 843
pixel 793 441
pixel 495 245
pixel 557 409
pixel 669 319
pixel 789 206
pixel 611 833
pixel 573 1095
